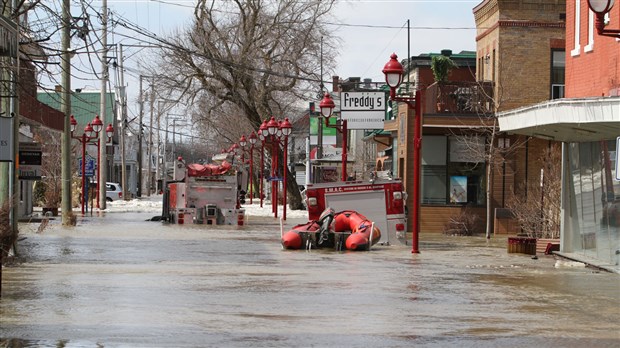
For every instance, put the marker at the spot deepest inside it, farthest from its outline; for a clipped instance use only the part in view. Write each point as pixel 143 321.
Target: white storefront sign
pixel 363 110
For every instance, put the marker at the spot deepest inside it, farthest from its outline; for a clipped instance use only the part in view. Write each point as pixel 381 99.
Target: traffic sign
pixel 90 166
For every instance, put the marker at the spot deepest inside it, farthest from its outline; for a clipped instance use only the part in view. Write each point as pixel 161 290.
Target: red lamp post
pixel 327 106
pixel 286 129
pixel 262 135
pixel 272 129
pixel 86 136
pixel 601 8
pixel 252 139
pixel 393 71
pixel 242 143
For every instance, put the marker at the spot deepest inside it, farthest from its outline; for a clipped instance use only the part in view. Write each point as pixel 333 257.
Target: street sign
pixel 363 110
pixel 90 166
pixel 30 159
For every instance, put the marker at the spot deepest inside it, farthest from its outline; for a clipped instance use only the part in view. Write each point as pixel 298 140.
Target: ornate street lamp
pixel 242 143
pixel 601 8
pixel 327 106
pixel 97 127
pixel 272 129
pixel 91 131
pixel 285 130
pixel 262 135
pixel 393 72
pixel 252 139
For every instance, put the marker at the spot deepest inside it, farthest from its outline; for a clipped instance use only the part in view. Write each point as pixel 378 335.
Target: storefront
pixel 589 129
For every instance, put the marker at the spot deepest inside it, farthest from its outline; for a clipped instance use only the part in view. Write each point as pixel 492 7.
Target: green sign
pixel 327 131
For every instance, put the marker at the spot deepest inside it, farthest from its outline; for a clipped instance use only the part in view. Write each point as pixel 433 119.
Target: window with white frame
pixel 577 49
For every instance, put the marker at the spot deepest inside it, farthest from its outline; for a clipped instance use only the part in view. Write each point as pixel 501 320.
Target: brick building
pixel 588 125
pixel 520 50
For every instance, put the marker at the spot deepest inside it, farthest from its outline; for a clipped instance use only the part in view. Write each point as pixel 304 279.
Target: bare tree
pixel 248 58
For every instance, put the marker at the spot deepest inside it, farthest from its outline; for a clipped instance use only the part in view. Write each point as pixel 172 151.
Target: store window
pixel 453 170
pixel 594 207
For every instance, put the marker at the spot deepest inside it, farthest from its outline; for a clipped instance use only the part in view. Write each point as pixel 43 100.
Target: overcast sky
pixel 370 30
pixel 366 42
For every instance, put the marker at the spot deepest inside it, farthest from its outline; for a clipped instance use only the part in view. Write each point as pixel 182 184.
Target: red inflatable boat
pixel 348 229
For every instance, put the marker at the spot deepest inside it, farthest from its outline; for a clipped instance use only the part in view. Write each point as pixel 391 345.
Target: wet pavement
pixel 120 281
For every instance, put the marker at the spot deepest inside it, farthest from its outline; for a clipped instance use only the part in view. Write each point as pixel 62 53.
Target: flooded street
pixel 120 281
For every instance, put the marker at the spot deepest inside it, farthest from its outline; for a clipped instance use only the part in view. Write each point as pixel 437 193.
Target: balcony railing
pixel 459 98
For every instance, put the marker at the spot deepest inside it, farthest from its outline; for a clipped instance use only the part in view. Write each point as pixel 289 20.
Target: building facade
pixel 587 123
pixel 520 47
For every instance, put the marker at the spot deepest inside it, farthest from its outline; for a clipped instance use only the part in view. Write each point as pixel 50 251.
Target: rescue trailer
pixel 381 201
pixel 206 194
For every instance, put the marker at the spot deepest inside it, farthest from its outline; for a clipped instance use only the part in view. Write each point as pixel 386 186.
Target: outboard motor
pixel 325 220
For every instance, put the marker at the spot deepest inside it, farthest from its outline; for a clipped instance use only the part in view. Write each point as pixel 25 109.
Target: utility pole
pixel 150 149
pixel 15 113
pixel 140 135
pixel 104 83
pixel 65 101
pixel 123 124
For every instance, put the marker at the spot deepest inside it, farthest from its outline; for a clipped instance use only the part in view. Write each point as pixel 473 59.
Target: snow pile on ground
pixel 153 204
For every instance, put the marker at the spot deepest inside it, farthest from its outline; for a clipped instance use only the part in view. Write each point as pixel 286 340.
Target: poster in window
pixel 458 189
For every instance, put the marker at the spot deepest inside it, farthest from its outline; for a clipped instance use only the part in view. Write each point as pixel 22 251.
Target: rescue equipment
pixel 348 229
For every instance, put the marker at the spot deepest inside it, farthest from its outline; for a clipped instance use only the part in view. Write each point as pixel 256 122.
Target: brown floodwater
pixel 120 281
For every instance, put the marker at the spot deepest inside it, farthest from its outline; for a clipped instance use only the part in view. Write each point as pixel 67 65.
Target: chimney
pixel 336 83
pixel 446 53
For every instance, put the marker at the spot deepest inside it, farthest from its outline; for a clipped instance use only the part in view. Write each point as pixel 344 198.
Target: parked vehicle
pixel 113 191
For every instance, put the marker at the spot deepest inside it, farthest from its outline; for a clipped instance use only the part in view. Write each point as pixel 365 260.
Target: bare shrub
pixel 462 224
pixel 536 207
pixel 7 235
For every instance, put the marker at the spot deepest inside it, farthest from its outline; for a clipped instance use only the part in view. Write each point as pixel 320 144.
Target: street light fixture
pixel 91 131
pixel 97 127
pixel 262 135
pixel 393 72
pixel 285 130
pixel 327 107
pixel 601 8
pixel 252 138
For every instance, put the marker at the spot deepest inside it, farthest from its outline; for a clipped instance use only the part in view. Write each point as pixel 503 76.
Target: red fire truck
pixel 380 200
pixel 206 194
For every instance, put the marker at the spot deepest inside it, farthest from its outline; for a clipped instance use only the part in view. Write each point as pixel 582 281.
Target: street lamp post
pixel 272 129
pixel 89 134
pixel 277 133
pixel 243 142
pixel 262 135
pixel 327 106
pixel 601 8
pixel 252 139
pixel 97 127
pixel 393 72
pixel 286 129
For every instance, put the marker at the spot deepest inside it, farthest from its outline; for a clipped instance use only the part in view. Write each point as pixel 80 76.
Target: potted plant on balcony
pixel 441 66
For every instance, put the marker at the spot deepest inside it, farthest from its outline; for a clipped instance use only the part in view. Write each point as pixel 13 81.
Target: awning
pixel 569 120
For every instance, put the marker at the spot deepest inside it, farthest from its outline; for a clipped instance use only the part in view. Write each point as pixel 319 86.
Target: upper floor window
pixel 577 49
pixel 558 63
